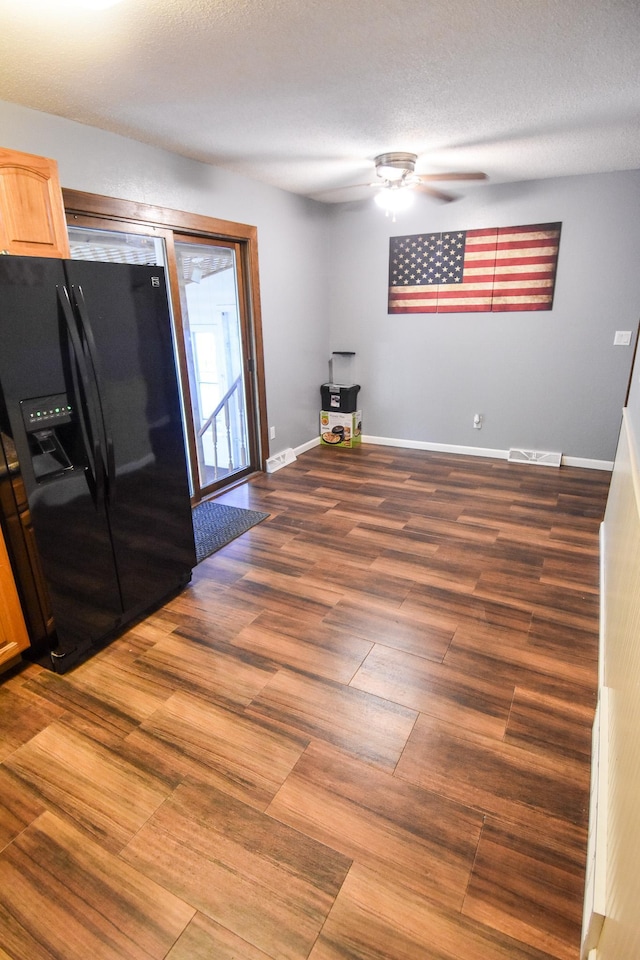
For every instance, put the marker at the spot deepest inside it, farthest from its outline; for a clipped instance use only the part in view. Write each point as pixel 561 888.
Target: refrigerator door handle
pixel 107 442
pixel 83 395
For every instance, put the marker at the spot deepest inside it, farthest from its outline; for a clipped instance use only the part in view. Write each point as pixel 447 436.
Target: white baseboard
pixel 479 451
pixel 437 447
pixel 307 446
pixel 583 462
pixel 465 451
pixel 589 464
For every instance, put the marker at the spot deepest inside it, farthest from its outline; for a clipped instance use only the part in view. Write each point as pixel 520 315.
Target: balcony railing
pixel 227 423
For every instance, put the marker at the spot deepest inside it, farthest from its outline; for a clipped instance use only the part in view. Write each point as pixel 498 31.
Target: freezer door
pixel 43 410
pixel 125 310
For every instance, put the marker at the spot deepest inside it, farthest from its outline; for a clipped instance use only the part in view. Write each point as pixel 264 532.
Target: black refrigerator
pixel 92 442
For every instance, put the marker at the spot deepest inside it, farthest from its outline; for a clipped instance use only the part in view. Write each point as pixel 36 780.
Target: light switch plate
pixel 622 338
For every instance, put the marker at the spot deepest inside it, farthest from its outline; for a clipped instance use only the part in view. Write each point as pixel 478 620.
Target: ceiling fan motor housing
pixel 395 166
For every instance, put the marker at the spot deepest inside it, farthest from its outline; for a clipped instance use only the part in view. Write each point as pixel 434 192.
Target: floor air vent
pixel 279 460
pixel 543 457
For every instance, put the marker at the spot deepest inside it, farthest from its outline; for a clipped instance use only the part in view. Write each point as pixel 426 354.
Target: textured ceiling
pixel 303 94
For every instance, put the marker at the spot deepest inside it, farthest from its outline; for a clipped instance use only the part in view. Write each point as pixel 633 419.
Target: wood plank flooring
pixel 361 733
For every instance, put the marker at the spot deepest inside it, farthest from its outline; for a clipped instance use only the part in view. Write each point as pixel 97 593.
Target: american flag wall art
pixel 460 271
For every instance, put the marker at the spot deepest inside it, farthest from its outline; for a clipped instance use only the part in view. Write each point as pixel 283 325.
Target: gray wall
pixel 291 241
pixel 547 380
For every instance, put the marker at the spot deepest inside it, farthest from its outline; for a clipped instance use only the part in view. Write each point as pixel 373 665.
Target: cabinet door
pixel 13 633
pixel 32 219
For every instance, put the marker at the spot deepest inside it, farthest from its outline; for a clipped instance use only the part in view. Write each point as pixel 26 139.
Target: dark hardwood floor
pixel 361 733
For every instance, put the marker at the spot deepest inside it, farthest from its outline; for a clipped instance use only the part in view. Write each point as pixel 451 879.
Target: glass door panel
pixel 112 246
pixel 212 331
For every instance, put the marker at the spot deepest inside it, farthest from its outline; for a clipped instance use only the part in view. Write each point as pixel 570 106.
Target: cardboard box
pixel 340 429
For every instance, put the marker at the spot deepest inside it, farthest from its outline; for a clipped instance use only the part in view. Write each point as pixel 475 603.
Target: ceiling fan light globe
pixel 394 201
pixel 390 173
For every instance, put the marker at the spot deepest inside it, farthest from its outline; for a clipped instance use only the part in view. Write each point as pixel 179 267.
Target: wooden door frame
pixel 79 204
pixel 202 492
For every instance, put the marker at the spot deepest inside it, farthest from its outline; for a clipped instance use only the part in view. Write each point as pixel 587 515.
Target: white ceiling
pixel 303 94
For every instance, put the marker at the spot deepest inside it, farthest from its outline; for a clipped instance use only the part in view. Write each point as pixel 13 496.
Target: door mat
pixel 216 524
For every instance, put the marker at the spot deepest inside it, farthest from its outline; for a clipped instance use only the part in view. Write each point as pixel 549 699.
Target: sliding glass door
pixel 213 331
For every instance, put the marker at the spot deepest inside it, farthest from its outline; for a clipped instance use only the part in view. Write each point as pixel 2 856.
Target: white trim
pixel 465 451
pixel 438 447
pixel 594 907
pixel 589 464
pixel 306 446
pixel 480 451
pixel 602 636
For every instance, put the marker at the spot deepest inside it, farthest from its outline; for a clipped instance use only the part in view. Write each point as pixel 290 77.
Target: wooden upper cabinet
pixel 32 218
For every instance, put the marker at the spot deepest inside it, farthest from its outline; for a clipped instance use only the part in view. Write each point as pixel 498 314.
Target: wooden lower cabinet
pixel 25 609
pixel 24 567
pixel 13 632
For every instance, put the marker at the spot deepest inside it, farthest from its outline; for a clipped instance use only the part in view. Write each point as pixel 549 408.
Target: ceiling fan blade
pixel 476 175
pixel 338 194
pixel 437 194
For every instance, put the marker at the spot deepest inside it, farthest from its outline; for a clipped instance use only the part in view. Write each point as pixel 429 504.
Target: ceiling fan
pixel 397 176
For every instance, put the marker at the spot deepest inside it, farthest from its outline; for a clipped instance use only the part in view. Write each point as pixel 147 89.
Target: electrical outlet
pixel 272 433
pixel 477 421
pixel 622 338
